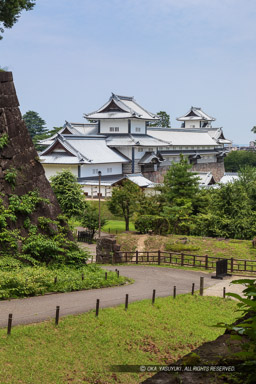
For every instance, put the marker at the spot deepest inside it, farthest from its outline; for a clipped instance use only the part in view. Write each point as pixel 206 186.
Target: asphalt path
pixel 40 308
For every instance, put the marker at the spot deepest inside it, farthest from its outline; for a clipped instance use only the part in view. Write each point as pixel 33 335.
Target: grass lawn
pixel 117 226
pixel 82 347
pixel 239 249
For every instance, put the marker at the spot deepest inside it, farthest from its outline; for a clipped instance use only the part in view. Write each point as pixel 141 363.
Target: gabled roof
pixel 138 179
pixel 196 113
pixel 118 107
pixel 83 149
pixel 205 178
pixel 136 140
pixel 72 129
pixel 151 157
pixel 183 136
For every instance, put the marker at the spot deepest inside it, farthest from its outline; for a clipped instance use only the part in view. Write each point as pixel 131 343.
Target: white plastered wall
pixel 116 123
pixel 53 169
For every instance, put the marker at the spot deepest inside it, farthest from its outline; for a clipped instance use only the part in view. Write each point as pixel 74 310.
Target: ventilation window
pixel 140 149
pixel 137 129
pixel 109 170
pixel 116 129
pixel 111 129
pixel 95 171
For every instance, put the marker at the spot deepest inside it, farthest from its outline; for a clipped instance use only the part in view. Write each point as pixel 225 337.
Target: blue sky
pixel 68 56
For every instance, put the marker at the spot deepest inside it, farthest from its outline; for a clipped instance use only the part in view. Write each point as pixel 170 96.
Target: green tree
pixel 164 120
pixel 35 124
pixel 90 219
pixel 124 201
pixel 10 11
pixel 69 193
pixel 37 138
pixel 179 196
pixel 236 160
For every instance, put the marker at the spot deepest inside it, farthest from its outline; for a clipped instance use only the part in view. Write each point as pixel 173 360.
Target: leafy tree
pixel 179 196
pixel 164 120
pixel 35 124
pixel 90 219
pixel 124 201
pixel 254 129
pixel 236 160
pixel 39 147
pixel 10 11
pixel 69 193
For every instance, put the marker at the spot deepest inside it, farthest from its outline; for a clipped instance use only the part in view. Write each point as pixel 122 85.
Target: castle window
pixel 150 149
pixel 137 129
pixel 116 129
pixel 95 171
pixel 109 170
pixel 140 150
pixel 111 129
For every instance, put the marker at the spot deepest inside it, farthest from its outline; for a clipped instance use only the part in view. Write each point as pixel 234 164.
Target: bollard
pixel 117 272
pixel 201 286
pixel 193 289
pixel 153 296
pixel 57 316
pixel 106 275
pixel 224 292
pixel 97 307
pixel 174 291
pixel 126 301
pixel 9 328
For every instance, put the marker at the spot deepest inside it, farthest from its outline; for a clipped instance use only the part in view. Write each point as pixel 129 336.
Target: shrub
pixel 158 224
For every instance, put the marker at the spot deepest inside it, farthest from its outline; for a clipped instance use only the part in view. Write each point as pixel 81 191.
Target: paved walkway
pixel 40 308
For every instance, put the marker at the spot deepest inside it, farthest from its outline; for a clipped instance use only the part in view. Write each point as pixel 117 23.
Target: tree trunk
pixel 127 223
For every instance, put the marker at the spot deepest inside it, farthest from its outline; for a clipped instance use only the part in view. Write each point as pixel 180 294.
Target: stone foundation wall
pixel 217 169
pixel 19 154
pixel 106 250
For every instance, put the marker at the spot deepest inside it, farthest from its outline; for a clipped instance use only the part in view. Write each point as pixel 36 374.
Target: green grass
pixel 82 347
pixel 32 281
pixel 239 249
pixel 117 226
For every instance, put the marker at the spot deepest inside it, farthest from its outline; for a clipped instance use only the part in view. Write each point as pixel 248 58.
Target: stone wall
pixel 217 170
pixel 105 250
pixel 19 154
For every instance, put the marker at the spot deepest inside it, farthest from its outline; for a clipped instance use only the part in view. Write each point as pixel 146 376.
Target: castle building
pixel 121 143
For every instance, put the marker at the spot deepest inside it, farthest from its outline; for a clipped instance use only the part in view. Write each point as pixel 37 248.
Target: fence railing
pixel 184 260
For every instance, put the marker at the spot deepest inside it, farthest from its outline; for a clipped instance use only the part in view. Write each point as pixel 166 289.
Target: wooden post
pixel 194 261
pixel 117 272
pixel 82 276
pixel 193 289
pixel 97 307
pixel 126 301
pixel 137 257
pixel 106 275
pixel 201 286
pixel 232 264
pixel 224 292
pixel 170 258
pixel 206 261
pixel 159 257
pixel 55 279
pixel 9 328
pixel 245 265
pixel 153 296
pixel 109 230
pixel 57 316
pixel 126 257
pixel 174 291
pixel 148 257
pixel 182 259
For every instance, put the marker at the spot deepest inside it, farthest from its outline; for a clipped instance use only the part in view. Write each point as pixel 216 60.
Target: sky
pixel 68 56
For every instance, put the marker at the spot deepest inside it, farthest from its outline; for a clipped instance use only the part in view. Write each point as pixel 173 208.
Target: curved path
pixel 39 308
